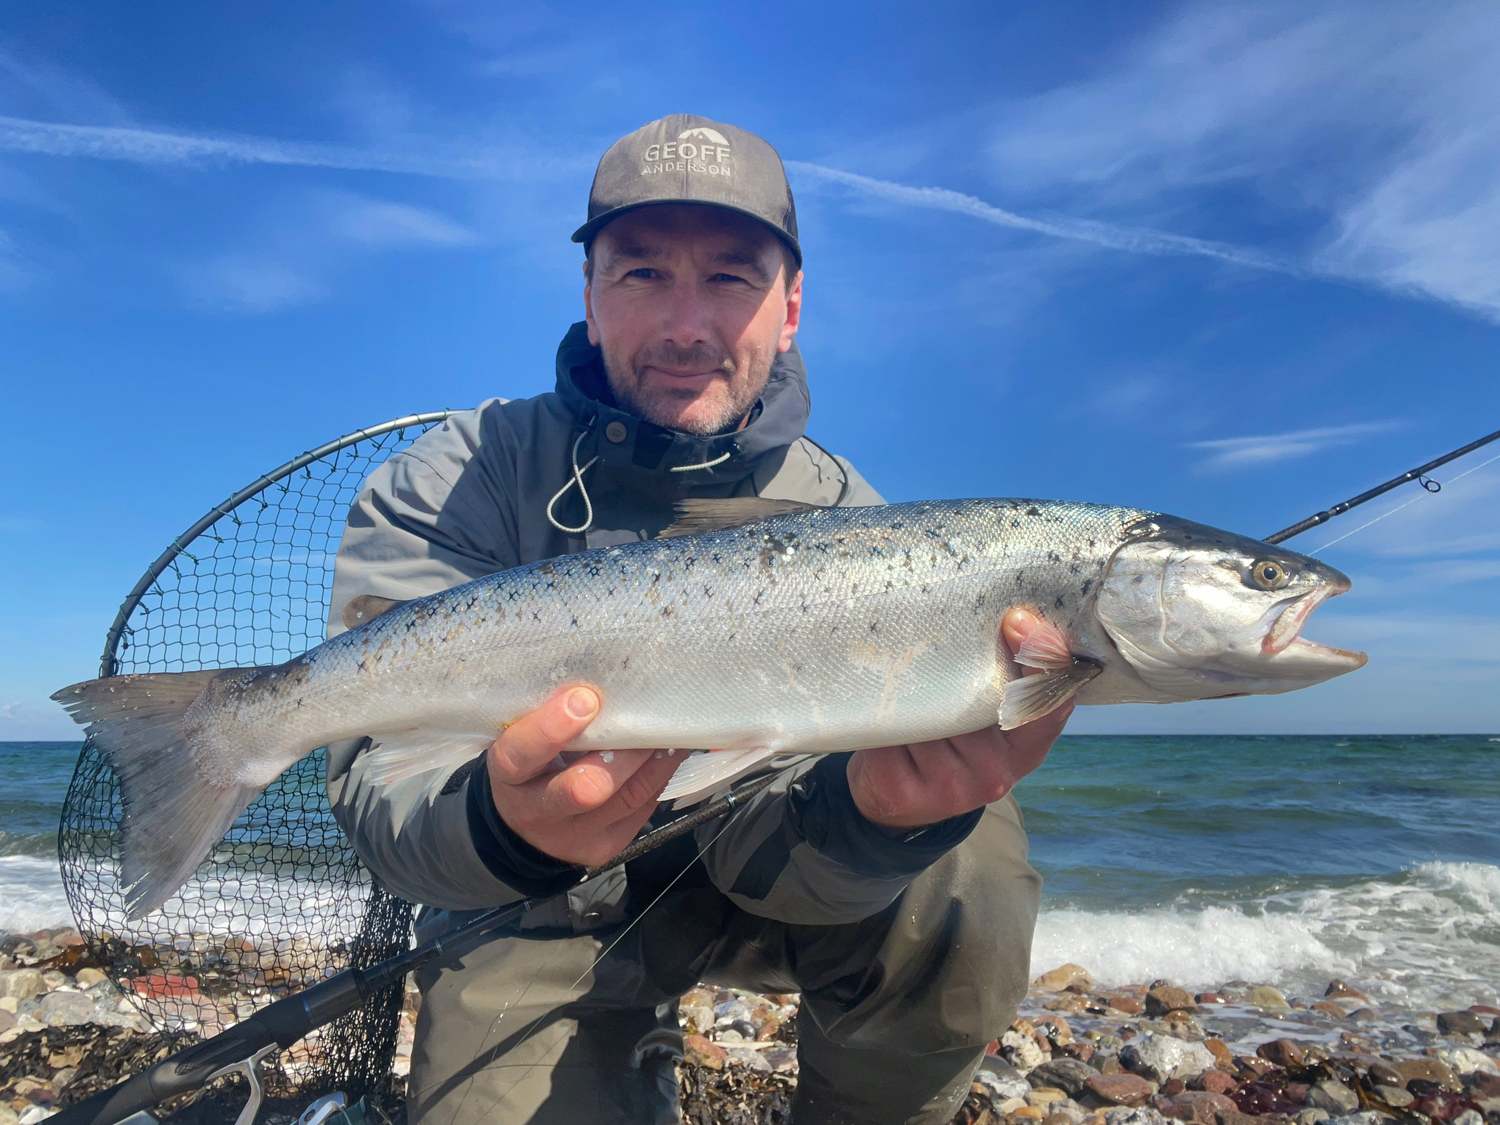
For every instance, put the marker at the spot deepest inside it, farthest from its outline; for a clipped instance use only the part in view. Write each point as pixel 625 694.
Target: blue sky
pixel 1230 262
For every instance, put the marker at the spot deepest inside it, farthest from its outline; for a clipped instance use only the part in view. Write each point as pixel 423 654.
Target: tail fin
pixel 173 815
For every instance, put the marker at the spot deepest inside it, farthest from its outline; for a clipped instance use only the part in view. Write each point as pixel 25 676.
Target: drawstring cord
pixel 588 505
pixel 695 468
pixel 577 478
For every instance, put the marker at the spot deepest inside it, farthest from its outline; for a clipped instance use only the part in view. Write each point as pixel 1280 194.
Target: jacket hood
pixel 777 420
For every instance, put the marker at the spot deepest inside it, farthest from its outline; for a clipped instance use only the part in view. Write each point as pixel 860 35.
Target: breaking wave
pixel 1425 938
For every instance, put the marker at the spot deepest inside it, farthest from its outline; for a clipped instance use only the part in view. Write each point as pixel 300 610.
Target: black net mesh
pixel 283 901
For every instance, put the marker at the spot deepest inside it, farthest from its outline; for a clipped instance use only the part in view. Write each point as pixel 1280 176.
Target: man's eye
pixel 726 277
pixel 643 272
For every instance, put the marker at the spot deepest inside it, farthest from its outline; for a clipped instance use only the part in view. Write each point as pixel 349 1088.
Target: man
pixel 890 887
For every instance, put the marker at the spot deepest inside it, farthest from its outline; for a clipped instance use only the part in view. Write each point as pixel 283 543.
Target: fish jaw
pixel 1197 615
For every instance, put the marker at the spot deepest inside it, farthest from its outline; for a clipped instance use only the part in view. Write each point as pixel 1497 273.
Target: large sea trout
pixel 753 627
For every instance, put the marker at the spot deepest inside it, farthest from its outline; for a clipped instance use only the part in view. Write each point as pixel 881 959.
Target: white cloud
pixel 1373 119
pixel 306 246
pixel 1242 452
pixel 8 711
pixel 252 284
pixel 14 269
pixel 377 223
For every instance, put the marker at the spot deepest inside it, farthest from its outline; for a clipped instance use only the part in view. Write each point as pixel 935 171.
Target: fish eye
pixel 1269 574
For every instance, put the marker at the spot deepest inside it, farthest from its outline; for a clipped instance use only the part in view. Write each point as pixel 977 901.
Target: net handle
pixel 108 662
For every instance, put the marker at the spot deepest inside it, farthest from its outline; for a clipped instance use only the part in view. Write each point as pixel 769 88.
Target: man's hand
pixel 910 786
pixel 582 811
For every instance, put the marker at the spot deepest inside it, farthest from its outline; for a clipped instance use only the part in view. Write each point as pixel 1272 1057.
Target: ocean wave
pixel 1428 937
pixel 31 894
pixel 27 843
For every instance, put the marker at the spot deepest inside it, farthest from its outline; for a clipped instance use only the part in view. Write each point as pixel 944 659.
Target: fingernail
pixel 582 703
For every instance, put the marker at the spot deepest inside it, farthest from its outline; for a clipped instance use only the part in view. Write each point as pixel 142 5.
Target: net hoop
pixel 283 901
pixel 109 660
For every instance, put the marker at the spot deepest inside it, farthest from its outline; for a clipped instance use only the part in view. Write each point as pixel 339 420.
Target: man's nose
pixel 686 317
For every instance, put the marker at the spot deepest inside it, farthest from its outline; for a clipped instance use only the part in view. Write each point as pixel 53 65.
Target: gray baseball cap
pixel 688 159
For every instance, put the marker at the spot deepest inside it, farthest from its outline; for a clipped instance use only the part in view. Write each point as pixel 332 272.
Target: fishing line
pixel 600 960
pixel 1396 509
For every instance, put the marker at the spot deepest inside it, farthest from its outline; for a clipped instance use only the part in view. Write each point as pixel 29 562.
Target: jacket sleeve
pixel 801 852
pixel 433 516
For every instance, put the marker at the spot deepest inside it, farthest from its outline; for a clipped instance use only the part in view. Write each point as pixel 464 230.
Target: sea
pixel 1284 860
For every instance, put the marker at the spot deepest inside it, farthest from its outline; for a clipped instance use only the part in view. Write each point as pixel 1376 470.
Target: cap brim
pixel 591 228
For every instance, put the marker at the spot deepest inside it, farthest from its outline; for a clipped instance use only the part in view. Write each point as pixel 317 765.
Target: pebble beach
pixel 1079 1053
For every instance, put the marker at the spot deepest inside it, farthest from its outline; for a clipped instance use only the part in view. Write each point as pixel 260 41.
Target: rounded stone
pixel 22 984
pixel 1065 977
pixel 1121 1089
pixel 1461 1023
pixel 1165 998
pixel 1282 1052
pixel 1264 996
pixel 1394 1096
pixel 1343 990
pixel 1333 1096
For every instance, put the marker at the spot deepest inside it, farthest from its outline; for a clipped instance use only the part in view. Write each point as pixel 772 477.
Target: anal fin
pixel 399 755
pixel 1031 697
pixel 703 773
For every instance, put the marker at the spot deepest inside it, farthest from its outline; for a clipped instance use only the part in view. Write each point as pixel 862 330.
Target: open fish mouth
pixel 1286 631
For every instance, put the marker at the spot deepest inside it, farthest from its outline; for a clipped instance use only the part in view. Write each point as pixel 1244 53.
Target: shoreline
pixel 1078 1053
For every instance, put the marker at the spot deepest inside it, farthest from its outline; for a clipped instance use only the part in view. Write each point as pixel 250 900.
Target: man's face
pixel 690 306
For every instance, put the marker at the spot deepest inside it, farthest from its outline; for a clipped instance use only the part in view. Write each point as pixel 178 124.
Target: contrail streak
pixel 1133 239
pixel 163 147
pixel 151 146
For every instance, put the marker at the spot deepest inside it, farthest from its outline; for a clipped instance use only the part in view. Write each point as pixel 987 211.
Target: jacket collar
pixel 777 420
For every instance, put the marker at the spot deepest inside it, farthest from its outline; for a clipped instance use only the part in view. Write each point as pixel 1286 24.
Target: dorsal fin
pixel 699 517
pixel 367 607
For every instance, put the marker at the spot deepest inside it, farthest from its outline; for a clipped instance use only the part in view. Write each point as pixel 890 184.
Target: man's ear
pixel 793 315
pixel 588 306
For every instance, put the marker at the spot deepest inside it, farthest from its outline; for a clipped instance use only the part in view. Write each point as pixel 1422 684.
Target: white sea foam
pixel 1428 940
pixel 31 894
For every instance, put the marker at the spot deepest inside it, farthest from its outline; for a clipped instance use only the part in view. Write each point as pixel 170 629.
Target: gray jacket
pixel 471 497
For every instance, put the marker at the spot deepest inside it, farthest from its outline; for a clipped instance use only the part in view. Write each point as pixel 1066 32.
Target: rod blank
pixel 1379 490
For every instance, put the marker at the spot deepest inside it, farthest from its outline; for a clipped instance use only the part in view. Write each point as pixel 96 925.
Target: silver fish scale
pixel 831 629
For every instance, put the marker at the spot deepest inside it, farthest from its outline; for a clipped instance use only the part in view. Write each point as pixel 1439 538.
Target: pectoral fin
pixel 1031 697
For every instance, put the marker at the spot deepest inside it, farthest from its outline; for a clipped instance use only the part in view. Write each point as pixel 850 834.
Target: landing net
pixel 284 901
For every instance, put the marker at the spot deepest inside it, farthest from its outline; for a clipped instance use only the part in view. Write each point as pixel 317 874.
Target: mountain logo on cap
pixel 706 134
pixel 698 150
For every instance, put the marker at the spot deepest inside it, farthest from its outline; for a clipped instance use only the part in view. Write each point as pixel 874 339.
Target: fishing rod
pixel 280 1024
pixel 1419 474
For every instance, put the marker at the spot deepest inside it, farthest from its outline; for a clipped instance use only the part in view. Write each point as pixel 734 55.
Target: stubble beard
pixel 732 396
